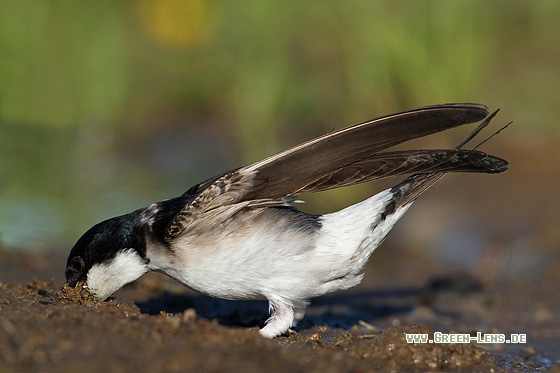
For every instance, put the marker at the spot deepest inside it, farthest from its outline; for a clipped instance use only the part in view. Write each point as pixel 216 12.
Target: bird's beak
pixel 78 284
pixel 82 284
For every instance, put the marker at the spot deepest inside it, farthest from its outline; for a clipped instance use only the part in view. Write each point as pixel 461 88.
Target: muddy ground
pixel 156 325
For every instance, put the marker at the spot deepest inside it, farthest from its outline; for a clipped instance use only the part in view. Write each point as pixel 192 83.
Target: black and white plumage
pixel 237 236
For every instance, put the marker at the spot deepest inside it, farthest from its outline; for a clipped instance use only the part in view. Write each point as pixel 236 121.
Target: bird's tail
pixel 412 187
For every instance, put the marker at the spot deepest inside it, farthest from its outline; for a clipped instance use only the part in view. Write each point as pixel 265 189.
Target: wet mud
pixel 156 325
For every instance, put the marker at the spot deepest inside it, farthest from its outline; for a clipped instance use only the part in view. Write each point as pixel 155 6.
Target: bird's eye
pixel 77 264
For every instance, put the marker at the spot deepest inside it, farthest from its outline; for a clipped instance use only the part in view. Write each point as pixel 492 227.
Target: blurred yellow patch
pixel 177 23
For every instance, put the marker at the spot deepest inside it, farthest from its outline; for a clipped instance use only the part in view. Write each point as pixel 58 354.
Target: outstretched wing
pixel 345 157
pixel 292 169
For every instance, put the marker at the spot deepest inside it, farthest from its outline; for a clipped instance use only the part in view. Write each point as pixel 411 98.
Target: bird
pixel 238 235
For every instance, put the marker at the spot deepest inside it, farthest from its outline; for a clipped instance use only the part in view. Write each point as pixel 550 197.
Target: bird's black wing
pixel 293 169
pixel 345 157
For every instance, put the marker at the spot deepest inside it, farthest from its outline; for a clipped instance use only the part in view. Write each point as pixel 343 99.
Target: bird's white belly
pixel 268 252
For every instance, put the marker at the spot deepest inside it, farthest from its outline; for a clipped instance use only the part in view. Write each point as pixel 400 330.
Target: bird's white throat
pixel 107 277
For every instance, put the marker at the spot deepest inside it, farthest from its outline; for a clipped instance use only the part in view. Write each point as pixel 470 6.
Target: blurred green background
pixel 107 106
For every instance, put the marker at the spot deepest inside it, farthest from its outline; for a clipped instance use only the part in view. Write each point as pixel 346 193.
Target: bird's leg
pixel 299 312
pixel 284 315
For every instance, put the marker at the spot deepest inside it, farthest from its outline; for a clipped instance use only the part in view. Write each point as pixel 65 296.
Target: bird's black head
pixel 109 255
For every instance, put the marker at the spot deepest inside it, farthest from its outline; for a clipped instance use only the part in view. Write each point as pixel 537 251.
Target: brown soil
pixel 49 327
